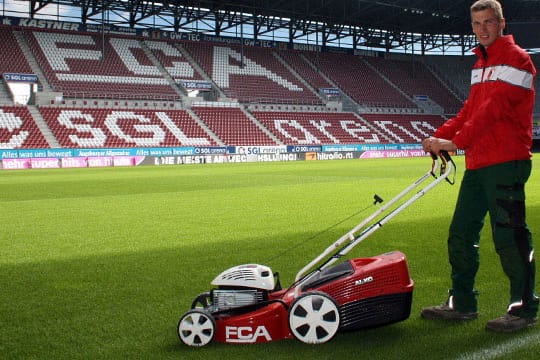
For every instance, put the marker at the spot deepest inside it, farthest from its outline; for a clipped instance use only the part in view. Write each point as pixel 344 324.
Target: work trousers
pixel 500 191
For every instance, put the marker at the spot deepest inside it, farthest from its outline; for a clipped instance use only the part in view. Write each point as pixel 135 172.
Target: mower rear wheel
pixel 314 318
pixel 204 300
pixel 196 328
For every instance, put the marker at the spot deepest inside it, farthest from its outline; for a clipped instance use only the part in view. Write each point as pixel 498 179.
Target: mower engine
pixel 227 299
pixel 241 286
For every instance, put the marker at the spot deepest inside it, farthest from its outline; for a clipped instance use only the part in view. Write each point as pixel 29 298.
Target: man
pixel 494 127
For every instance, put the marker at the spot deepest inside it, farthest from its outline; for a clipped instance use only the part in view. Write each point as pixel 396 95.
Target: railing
pixel 119 96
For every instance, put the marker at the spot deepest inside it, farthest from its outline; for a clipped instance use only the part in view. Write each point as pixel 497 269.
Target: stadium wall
pixel 82 158
pixel 107 156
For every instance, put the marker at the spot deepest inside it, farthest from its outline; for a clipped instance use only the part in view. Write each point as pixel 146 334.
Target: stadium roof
pixel 385 24
pixel 417 16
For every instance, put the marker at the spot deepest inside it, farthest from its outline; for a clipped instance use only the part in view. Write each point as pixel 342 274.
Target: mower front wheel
pixel 196 328
pixel 314 318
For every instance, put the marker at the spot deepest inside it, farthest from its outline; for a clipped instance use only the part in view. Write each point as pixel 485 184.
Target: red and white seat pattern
pixel 18 130
pixel 303 68
pixel 405 128
pixel 84 63
pixel 96 128
pixel 250 74
pixel 305 128
pixel 172 60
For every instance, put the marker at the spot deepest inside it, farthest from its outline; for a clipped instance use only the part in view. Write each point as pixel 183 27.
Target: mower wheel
pixel 204 300
pixel 196 328
pixel 314 318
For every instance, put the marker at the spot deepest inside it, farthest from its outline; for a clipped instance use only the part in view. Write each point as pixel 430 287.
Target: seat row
pixel 84 127
pixel 75 61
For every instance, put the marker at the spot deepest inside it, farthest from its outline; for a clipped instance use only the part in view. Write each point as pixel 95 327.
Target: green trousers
pixel 500 191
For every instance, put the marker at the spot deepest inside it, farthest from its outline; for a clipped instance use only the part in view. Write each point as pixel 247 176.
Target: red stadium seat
pixel 18 130
pixel 232 126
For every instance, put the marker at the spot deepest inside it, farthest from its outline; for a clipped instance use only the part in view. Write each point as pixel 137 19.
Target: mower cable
pixel 377 199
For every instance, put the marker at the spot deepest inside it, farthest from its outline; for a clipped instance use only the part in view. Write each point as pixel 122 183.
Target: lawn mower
pixel 248 304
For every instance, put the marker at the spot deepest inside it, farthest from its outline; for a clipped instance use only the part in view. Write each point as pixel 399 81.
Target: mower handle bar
pixel 447 167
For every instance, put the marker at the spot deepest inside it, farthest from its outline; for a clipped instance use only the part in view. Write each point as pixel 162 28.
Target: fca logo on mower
pixel 245 334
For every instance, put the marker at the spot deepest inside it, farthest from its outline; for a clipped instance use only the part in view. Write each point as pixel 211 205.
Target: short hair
pixel 488 4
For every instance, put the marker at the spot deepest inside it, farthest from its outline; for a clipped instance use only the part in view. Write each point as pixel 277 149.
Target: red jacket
pixel 495 123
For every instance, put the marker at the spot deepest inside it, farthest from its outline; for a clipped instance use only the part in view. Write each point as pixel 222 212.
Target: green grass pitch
pixel 101 263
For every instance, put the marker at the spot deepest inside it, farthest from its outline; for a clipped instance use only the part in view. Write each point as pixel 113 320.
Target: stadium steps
pixel 5 94
pixel 316 69
pixel 347 103
pixel 164 73
pixel 29 55
pixel 206 128
pixel 260 126
pixel 389 82
pixel 447 84
pixel 455 74
pixel 43 127
pixel 199 69
pixel 296 75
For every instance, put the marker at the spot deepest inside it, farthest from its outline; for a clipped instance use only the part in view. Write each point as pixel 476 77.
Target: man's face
pixel 486 26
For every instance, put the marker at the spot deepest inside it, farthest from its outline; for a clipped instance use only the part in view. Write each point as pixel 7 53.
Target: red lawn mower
pixel 248 304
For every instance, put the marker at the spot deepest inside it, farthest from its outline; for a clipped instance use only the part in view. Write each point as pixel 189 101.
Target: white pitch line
pixel 504 348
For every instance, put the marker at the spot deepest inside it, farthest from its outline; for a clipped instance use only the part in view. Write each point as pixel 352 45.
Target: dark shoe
pixel 445 312
pixel 510 323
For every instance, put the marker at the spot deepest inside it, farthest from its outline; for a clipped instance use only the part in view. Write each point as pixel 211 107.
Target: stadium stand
pixel 5 96
pixel 415 79
pixel 83 65
pixel 233 126
pixel 94 128
pixel 455 72
pixel 306 70
pixel 12 59
pixel 536 60
pixel 405 128
pixel 19 130
pixel 250 74
pixel 357 79
pixel 172 60
pixel 112 94
pixel 317 128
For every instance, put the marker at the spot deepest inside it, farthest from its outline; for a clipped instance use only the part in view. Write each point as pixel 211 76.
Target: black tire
pixel 204 300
